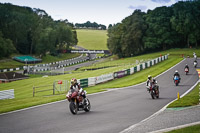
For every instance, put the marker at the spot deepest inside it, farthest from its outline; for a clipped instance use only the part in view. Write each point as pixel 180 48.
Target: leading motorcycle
pixel 77 102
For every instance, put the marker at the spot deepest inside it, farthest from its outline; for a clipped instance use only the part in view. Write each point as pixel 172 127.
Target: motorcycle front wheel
pixel 87 106
pixel 73 108
pixel 157 96
pixel 152 94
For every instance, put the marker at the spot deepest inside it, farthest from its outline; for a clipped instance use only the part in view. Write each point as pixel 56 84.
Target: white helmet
pixel 176 71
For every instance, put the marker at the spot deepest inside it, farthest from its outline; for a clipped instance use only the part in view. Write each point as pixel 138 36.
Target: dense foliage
pixel 158 29
pixel 93 25
pixel 32 31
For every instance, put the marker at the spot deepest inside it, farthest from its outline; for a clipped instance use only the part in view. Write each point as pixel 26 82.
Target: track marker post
pixel 178 96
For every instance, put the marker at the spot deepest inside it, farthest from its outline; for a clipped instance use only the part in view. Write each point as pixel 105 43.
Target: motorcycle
pixel 77 103
pixel 176 80
pixel 186 71
pixel 195 64
pixel 154 91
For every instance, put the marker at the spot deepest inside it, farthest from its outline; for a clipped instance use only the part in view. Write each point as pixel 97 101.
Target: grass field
pixel 24 88
pixel 92 39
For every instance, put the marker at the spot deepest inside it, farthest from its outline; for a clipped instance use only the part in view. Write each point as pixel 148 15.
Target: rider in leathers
pixel 186 66
pixel 77 87
pixel 177 74
pixel 149 83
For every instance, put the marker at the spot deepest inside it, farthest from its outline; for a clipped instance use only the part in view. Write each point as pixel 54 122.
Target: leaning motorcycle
pixel 195 64
pixel 186 71
pixel 176 80
pixel 77 103
pixel 154 91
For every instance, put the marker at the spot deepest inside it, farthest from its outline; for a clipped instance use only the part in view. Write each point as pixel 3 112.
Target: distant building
pixel 11 76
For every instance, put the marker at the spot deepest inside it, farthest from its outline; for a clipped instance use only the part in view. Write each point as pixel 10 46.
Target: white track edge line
pixel 175 128
pixel 108 90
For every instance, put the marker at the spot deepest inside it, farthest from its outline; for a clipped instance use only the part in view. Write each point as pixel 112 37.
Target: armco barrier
pixel 138 68
pixel 128 71
pixel 131 70
pixel 91 81
pixel 103 78
pixel 135 69
pixel 119 74
pixel 84 82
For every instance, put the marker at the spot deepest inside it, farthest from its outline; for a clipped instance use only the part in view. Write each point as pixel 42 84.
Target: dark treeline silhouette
pixel 90 25
pixel 177 26
pixel 32 31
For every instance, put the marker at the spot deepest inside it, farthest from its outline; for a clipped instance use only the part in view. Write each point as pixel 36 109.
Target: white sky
pixel 101 11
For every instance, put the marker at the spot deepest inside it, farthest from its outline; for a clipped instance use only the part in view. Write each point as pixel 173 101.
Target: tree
pixel 182 20
pixel 6 46
pixel 113 41
pixel 134 28
pixel 159 34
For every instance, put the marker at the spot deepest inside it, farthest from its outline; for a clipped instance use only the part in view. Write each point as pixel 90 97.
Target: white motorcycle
pixel 195 64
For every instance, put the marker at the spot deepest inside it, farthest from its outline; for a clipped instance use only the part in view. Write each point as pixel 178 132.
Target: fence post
pixel 54 88
pixel 33 91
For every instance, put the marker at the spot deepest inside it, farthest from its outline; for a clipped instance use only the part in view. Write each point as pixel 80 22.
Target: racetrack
pixel 111 111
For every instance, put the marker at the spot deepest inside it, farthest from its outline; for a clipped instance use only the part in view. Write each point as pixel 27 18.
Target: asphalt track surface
pixel 111 111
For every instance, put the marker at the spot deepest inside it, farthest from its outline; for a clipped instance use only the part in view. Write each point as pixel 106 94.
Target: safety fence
pixel 58 87
pixel 92 81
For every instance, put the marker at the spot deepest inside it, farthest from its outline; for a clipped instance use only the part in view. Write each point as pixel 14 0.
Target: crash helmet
pixel 73 81
pixel 186 64
pixel 149 77
pixel 176 71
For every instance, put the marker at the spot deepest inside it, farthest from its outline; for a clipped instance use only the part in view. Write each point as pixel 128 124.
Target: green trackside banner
pixel 84 82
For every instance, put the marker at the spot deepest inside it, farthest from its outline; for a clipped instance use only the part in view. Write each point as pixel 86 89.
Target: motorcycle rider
pixel 195 56
pixel 195 63
pixel 177 74
pixel 77 87
pixel 154 81
pixel 149 82
pixel 186 66
pixel 155 84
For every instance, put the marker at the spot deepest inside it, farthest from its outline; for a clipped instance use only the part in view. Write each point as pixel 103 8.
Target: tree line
pixel 177 26
pixel 88 25
pixel 32 31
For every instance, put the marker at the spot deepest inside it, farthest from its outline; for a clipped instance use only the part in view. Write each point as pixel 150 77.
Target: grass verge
pixel 190 99
pixel 191 129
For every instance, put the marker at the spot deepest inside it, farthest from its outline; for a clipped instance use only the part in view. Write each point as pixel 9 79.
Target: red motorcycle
pixel 176 80
pixel 154 91
pixel 77 103
pixel 186 71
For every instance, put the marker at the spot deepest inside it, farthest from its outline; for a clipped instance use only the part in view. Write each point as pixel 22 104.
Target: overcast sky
pixel 101 11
